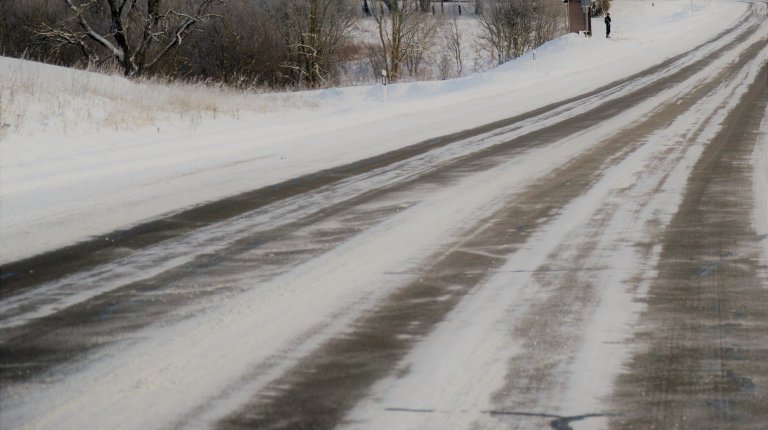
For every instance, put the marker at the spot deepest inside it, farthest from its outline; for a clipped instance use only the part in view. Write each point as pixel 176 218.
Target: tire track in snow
pixel 701 346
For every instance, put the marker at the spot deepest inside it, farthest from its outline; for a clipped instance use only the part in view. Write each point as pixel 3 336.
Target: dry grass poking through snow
pixel 37 97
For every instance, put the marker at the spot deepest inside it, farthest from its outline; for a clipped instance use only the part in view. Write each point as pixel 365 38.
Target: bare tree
pixel 512 27
pixel 242 48
pixel 547 21
pixel 452 45
pixel 135 33
pixel 421 45
pixel 403 30
pixel 496 24
pixel 314 32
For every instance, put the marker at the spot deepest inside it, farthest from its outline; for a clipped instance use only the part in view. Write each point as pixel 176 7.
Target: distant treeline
pixel 299 43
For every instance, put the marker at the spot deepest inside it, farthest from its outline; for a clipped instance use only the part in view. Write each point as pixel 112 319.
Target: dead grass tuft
pixel 36 97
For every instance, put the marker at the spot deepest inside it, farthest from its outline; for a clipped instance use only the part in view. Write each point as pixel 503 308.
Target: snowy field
pixel 77 144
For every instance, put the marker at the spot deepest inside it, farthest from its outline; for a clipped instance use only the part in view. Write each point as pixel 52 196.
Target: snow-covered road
pixel 521 275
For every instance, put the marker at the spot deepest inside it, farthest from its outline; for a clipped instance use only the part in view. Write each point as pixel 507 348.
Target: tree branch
pixel 184 28
pixel 90 32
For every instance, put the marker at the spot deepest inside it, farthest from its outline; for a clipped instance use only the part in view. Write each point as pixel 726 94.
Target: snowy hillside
pixel 75 143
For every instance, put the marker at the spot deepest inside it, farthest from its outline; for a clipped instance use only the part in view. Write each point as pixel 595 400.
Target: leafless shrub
pixel 375 59
pixel 548 21
pixel 314 33
pixel 512 27
pixel 422 44
pixel 445 66
pixel 452 47
pixel 241 48
pixel 404 33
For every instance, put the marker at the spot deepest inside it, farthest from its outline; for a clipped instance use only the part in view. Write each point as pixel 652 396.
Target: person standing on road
pixel 607 25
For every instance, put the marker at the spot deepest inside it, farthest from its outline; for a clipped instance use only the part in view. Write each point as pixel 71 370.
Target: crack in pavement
pixel 559 423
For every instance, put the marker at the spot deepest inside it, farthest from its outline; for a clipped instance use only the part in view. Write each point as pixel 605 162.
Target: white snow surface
pixel 62 162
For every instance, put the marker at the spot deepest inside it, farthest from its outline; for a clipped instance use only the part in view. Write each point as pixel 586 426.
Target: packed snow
pixel 78 144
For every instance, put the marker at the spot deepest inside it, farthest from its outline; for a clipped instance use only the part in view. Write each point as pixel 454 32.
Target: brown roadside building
pixel 579 12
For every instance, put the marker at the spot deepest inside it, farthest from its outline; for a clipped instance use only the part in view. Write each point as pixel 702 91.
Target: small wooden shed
pixel 579 13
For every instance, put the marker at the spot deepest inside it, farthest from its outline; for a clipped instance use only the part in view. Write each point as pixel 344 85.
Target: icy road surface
pixel 597 263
